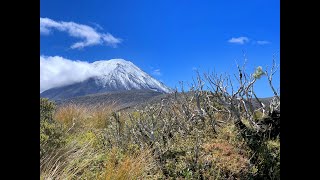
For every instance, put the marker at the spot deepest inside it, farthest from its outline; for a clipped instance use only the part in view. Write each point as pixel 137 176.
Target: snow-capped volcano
pixel 110 75
pixel 121 74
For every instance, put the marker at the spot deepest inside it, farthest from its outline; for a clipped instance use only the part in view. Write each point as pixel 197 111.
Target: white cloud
pixel 56 71
pixel 88 34
pixel 263 42
pixel 110 40
pixel 97 25
pixel 156 72
pixel 239 40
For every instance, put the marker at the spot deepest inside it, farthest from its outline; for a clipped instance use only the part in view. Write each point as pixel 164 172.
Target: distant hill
pixel 122 99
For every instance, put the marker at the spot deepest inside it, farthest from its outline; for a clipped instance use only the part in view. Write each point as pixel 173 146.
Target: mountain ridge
pixel 112 75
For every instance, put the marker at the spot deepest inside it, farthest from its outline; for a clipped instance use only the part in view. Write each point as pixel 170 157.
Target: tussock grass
pixel 129 166
pixel 75 116
pixel 83 160
pixel 68 162
pixel 226 157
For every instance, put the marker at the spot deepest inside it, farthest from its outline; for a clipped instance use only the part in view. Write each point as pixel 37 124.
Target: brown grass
pixel 226 157
pixel 68 162
pixel 75 116
pixel 132 166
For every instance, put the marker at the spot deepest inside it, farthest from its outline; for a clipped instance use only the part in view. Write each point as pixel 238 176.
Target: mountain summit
pixel 111 75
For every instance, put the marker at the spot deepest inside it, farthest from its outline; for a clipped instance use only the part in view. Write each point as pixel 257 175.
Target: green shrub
pixel 268 160
pixel 51 133
pixel 46 109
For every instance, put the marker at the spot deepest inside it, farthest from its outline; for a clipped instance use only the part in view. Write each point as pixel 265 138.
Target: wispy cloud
pixel 263 42
pixel 97 25
pixel 156 72
pixel 56 71
pixel 239 40
pixel 88 34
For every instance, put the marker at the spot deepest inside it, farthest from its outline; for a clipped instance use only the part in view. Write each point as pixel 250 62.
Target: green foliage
pixel 51 133
pixel 258 73
pixel 51 136
pixel 46 109
pixel 268 159
pixel 258 115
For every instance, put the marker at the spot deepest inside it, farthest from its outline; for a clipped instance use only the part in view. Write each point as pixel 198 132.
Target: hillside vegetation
pixel 204 133
pixel 121 99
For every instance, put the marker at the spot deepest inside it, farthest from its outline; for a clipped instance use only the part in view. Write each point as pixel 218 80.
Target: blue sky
pixel 168 39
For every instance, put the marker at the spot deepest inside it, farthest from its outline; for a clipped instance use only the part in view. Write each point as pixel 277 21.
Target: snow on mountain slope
pixel 118 73
pixel 111 75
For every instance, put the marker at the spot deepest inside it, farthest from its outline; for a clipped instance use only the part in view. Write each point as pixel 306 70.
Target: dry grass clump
pixel 227 158
pixel 69 162
pixel 75 116
pixel 84 157
pixel 128 166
